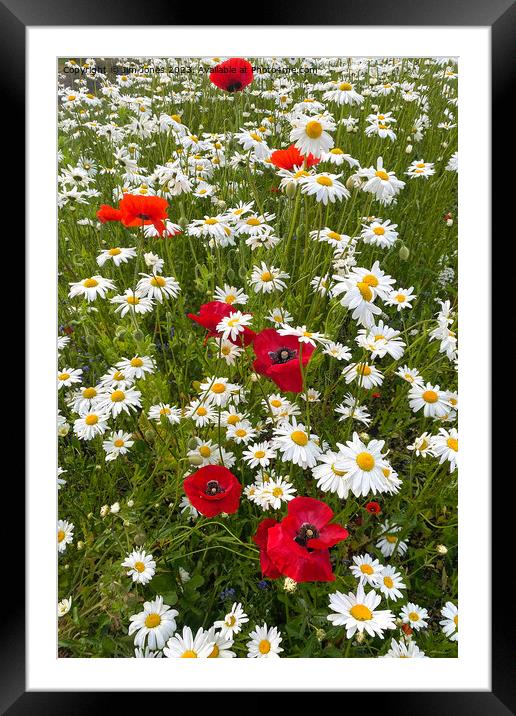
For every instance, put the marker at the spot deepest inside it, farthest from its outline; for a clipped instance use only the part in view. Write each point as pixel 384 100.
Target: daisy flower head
pixel 218 391
pixel 429 397
pixel 164 410
pixel 91 423
pixel 221 645
pixel 231 326
pixel 117 255
pixel 390 583
pixel 389 542
pixel 325 187
pixel 157 287
pixel 117 443
pixel 264 643
pixel 414 615
pixel 343 93
pixel 116 401
pixel 64 534
pixel 154 625
pixel 64 606
pixel 277 491
pixel 295 444
pixel 233 621
pixel 419 168
pixel 367 376
pixel 404 650
pixel 68 376
pixel 141 566
pixel 330 475
pixel 241 432
pixel 422 445
pixel 450 623
pixel 132 302
pixel 311 134
pixel 366 569
pixel 401 298
pixel 380 233
pixel 364 465
pixel 358 612
pixel 91 288
pixel 230 295
pixel 445 445
pixel 411 375
pixel 258 455
pixel 188 646
pixel 381 183
pixel 136 367
pixel 265 279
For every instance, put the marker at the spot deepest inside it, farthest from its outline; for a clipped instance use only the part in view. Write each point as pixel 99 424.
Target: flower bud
pixel 290 189
pixel 195 459
pixel 404 253
pixel 409 148
pixel 441 549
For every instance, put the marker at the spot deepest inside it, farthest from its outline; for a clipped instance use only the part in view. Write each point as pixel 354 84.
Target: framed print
pixel 257 254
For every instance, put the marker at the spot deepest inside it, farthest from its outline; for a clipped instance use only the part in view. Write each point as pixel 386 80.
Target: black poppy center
pixel 234 87
pixel 305 533
pixel 213 488
pixel 282 355
pixel 144 217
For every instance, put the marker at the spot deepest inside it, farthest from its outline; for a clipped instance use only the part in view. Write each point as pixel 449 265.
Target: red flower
pixel 298 546
pixel 407 629
pixel 108 213
pixel 232 75
pixel 260 538
pixel 375 395
pixel 373 508
pixel 210 315
pixel 143 210
pixel 292 157
pixel 278 357
pixel 213 489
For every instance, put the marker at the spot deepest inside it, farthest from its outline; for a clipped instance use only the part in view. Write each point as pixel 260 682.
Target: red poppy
pixel 210 315
pixel 108 213
pixel 278 357
pixel 292 157
pixel 373 508
pixel 260 538
pixel 139 210
pixel 213 489
pixel 232 75
pixel 407 629
pixel 298 546
pixel 375 395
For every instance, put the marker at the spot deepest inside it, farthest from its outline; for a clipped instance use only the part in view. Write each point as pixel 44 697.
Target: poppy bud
pixel 192 444
pixel 242 272
pixel 230 274
pixel 291 189
pixel 138 336
pixel 408 148
pixel 404 253
pixel 183 222
pixel 195 459
pixel 196 385
pixel 149 435
pixel 140 537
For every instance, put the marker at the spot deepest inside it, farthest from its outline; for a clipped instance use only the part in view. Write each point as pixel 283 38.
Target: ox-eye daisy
pixel 430 398
pixel 64 534
pixel 188 646
pixel 390 583
pixel 91 424
pixel 155 624
pixel 366 569
pixel 404 650
pixel 117 400
pixel 445 446
pixel 450 623
pixel 233 621
pixel 325 187
pixel 117 255
pixel 258 454
pixel 264 643
pixel 90 288
pixel 357 612
pixel 364 465
pixel 389 541
pixel 118 443
pixel 296 444
pixel 265 279
pixel 164 410
pixel 414 615
pixel 68 376
pixel 141 566
pixel 310 136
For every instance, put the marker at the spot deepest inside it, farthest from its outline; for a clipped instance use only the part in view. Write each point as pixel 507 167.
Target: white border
pixel 471 670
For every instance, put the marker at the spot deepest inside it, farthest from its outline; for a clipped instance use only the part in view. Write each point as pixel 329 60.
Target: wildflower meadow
pixel 257 357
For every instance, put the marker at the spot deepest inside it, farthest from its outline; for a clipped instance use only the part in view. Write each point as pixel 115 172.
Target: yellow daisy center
pixel 259 454
pixel 391 539
pixel 201 411
pixel 91 420
pixel 152 620
pixel 324 181
pixel 361 613
pixel 118 443
pixel 215 652
pixel 314 129
pixel 382 175
pixel 388 582
pixel 370 279
pixel 139 567
pixel 136 362
pixel 205 451
pixel 253 221
pixel 158 281
pixel 90 283
pixel 366 569
pixel 133 300
pixel 379 230
pixel 430 396
pixel 218 388
pixel 413 616
pixel 266 276
pixel 453 444
pixel 114 252
pixel 365 461
pixel 264 646
pixel 89 393
pixel 299 437
pixel 63 376
pixel 365 290
pixel 345 87
pixel 189 655
pixel 60 536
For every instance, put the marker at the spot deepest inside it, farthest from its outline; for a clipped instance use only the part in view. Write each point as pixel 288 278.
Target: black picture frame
pixel 500 16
